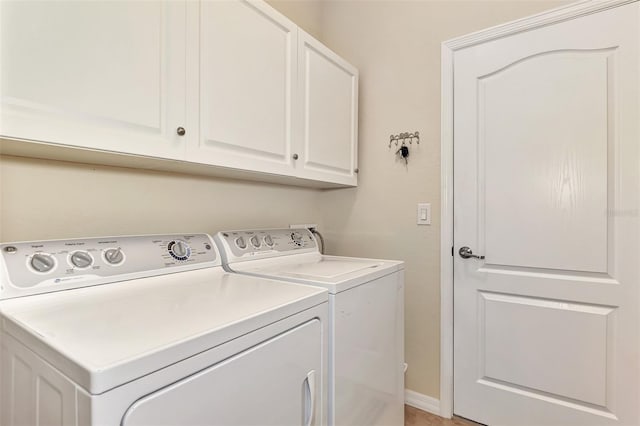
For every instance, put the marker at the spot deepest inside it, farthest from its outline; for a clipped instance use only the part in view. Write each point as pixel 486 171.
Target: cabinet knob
pixel 295 156
pixel 181 131
pixel 356 170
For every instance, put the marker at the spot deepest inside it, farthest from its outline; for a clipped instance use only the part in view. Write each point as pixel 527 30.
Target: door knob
pixel 466 253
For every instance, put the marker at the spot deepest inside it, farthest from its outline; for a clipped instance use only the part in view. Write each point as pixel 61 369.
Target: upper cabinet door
pixel 329 114
pixel 99 75
pixel 247 77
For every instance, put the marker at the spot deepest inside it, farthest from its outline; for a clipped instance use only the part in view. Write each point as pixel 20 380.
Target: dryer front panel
pixel 277 382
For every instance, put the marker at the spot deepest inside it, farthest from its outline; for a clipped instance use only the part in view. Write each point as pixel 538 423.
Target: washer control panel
pixel 43 266
pixel 262 243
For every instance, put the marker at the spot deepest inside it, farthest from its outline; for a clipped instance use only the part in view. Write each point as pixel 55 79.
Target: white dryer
pixel 366 306
pixel 150 330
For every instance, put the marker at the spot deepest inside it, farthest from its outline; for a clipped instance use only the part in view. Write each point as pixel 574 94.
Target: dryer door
pixel 277 382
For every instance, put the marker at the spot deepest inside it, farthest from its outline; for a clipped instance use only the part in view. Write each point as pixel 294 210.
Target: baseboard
pixel 422 402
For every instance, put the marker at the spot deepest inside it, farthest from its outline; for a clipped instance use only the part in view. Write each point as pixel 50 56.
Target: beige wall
pixel 307 14
pixel 396 46
pixel 42 199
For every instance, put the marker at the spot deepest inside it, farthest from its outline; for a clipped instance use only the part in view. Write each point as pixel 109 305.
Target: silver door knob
pixel 181 131
pixel 466 253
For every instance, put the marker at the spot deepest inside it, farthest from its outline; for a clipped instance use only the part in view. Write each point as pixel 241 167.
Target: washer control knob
pixel 81 259
pixel 42 262
pixel 255 241
pixel 241 243
pixel 114 256
pixel 268 240
pixel 296 237
pixel 179 250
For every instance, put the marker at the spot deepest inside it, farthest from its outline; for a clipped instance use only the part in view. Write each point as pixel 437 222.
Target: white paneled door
pixel 547 188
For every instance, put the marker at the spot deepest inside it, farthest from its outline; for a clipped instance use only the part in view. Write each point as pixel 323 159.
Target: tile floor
pixel 415 417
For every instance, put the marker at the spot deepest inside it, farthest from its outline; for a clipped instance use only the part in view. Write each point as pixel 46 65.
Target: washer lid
pixel 105 336
pixel 327 268
pixel 332 272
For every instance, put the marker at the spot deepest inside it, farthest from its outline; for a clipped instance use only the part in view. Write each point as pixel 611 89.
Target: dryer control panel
pixel 44 266
pixel 263 243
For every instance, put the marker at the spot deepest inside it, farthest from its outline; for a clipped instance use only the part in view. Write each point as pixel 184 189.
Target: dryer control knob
pixel 179 250
pixel 81 259
pixel 114 256
pixel 42 262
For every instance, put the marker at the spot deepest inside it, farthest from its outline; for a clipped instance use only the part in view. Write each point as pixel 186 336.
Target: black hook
pixel 404 153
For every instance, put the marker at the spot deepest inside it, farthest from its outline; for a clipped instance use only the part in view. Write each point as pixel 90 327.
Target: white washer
pixel 366 308
pixel 170 338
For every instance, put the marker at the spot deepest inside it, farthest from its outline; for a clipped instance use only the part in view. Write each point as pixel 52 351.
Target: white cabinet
pixel 246 75
pixel 272 98
pixel 228 86
pixel 328 89
pixel 99 75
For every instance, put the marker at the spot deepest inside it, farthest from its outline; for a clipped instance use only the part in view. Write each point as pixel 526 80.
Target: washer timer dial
pixel 179 250
pixel 296 237
pixel 255 241
pixel 241 243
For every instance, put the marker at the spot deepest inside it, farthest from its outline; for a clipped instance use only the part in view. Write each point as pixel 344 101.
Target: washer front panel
pixel 44 266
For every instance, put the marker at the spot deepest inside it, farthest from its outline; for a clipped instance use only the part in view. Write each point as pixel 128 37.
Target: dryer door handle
pixel 309 398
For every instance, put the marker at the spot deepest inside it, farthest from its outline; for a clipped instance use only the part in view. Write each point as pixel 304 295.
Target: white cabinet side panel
pixel 33 392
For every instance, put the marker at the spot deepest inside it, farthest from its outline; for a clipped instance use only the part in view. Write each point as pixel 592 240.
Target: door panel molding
pixel 550 398
pixel 547 53
pixel 524 271
pixel 590 347
pixel 561 14
pixel 580 168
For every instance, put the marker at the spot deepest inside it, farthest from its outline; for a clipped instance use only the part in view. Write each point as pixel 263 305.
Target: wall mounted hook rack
pixel 402 141
pixel 404 138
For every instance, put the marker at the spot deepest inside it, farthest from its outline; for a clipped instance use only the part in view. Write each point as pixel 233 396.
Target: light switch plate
pixel 424 214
